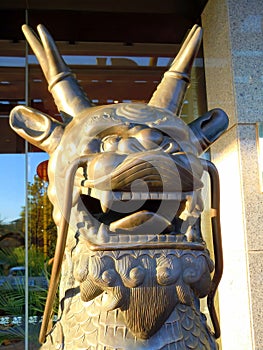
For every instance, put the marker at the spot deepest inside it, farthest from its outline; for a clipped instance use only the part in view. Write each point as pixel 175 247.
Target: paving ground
pixel 13 346
pixel 18 346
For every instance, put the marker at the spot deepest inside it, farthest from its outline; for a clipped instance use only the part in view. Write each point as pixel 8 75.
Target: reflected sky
pixel 12 182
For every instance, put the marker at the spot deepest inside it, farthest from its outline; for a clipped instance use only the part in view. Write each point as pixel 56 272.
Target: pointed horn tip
pixel 25 28
pixel 197 34
pixel 42 29
pixel 28 31
pixel 41 26
pixel 197 26
pixel 195 31
pixel 199 31
pixel 184 58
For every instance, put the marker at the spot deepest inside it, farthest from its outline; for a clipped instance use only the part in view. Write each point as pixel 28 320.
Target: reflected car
pixel 16 277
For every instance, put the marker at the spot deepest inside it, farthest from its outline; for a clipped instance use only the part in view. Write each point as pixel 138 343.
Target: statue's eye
pixel 170 146
pixel 92 146
pixel 110 143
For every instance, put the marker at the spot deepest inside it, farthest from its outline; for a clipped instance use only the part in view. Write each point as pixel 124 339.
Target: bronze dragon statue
pixel 125 181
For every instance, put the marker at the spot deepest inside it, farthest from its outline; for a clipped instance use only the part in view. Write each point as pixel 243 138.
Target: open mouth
pixel 138 200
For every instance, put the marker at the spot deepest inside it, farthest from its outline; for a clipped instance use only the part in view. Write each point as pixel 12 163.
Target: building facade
pixel 233 62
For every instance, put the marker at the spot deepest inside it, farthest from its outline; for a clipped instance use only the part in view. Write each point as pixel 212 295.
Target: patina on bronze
pixel 125 182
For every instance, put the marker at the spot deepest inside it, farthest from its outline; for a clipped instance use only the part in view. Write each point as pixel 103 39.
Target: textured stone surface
pixel 253 197
pixel 217 57
pixel 233 50
pixel 234 301
pixel 256 273
pixel 245 21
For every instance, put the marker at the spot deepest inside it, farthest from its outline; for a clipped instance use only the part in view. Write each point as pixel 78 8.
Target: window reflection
pixel 13 201
pixel 106 77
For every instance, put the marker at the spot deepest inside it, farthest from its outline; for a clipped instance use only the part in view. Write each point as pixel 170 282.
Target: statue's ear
pixel 37 128
pixel 208 128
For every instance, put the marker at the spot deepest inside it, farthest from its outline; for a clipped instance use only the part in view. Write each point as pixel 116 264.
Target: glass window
pixel 108 74
pixel 13 198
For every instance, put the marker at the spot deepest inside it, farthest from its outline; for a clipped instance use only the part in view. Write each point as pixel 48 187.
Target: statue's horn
pixel 171 90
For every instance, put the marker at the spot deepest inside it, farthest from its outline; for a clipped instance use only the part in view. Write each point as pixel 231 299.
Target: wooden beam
pixel 17 49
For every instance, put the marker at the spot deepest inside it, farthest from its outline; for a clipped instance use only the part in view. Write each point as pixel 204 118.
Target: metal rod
pixel 60 245
pixel 217 243
pixel 26 201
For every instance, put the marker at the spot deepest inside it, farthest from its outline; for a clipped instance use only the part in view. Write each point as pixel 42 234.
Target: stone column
pixel 233 51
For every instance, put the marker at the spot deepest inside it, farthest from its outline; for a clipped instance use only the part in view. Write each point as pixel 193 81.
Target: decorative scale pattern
pixel 182 330
pixel 89 325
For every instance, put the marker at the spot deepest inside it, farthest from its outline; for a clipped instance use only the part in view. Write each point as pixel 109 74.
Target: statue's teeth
pixel 108 197
pixel 95 234
pixel 191 202
pixel 104 208
pixel 105 201
pixel 103 234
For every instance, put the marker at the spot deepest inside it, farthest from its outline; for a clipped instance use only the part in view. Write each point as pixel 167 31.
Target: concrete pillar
pixel 233 51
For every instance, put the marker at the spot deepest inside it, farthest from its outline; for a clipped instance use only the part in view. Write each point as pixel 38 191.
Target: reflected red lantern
pixel 42 170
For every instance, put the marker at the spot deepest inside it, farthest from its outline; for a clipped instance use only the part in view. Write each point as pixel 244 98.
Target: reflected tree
pixel 41 228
